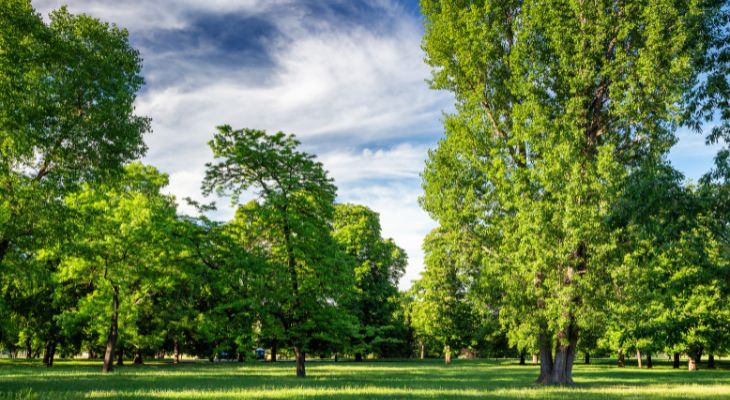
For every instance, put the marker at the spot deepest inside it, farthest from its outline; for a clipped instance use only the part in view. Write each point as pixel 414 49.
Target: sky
pixel 345 76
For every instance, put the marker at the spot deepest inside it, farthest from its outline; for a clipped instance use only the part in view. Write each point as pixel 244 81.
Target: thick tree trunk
pixel 53 354
pixel 300 358
pixel 587 358
pixel 176 350
pixel 546 359
pixel 111 340
pixel 694 358
pixel 522 358
pixel 675 364
pixel 47 352
pixel 711 361
pixel 621 358
pixel 648 361
pixel 273 351
pixel 358 357
pixel 241 356
pixel 447 354
pixel 638 358
pixel 564 356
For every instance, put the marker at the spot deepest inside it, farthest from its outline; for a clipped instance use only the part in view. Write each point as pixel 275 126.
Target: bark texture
pixel 675 364
pixel 300 358
pixel 111 340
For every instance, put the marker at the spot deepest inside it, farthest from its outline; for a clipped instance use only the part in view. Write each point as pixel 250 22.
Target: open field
pixel 371 380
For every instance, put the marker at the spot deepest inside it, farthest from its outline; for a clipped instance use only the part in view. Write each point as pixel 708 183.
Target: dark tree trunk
pixel 53 354
pixel 111 340
pixel 648 361
pixel 638 358
pixel 28 349
pixel 587 358
pixel 711 361
pixel 358 357
pixel 522 358
pixel 273 351
pixel 4 246
pixel 546 359
pixel 47 352
pixel 621 358
pixel 176 350
pixel 300 357
pixel 447 354
pixel 564 356
pixel 91 354
pixel 138 358
pixel 120 356
pixel 675 364
pixel 241 357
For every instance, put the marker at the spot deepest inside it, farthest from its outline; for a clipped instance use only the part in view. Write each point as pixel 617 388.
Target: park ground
pixel 429 379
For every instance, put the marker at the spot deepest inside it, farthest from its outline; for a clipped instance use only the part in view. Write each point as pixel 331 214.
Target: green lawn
pixel 372 380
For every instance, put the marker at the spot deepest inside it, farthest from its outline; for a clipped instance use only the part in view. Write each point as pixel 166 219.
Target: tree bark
pixel 28 348
pixel 120 357
pixel 694 360
pixel 176 350
pixel 358 357
pixel 138 358
pixel 638 358
pixel 567 340
pixel 711 361
pixel 447 354
pixel 648 361
pixel 47 352
pixel 621 358
pixel 423 350
pixel 53 354
pixel 546 359
pixel 241 356
pixel 273 351
pixel 675 364
pixel 300 358
pixel 522 358
pixel 111 340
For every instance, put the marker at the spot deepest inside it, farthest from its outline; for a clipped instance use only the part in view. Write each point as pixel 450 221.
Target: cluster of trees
pixel 95 257
pixel 561 222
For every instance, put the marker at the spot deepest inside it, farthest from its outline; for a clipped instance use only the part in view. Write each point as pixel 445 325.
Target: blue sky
pixel 345 76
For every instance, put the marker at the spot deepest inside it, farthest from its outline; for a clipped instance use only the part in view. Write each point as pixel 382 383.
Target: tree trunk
pixel 675 365
pixel 53 354
pixel 273 351
pixel 241 357
pixel 587 358
pixel 358 357
pixel 138 358
pixel 711 361
pixel 546 359
pixel 28 348
pixel 567 340
pixel 120 356
pixel 447 354
pixel 423 351
pixel 47 352
pixel 522 358
pixel 621 358
pixel 300 357
pixel 694 360
pixel 648 360
pixel 638 358
pixel 176 350
pixel 535 359
pixel 91 353
pixel 111 340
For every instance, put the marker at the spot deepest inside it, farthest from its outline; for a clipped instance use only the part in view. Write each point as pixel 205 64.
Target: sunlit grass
pixel 371 380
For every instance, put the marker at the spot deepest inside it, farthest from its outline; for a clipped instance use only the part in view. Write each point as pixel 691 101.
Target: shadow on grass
pixel 376 380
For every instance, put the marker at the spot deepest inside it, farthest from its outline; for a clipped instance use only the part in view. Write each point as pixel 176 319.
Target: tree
pixel 66 112
pixel 378 265
pixel 556 102
pixel 294 213
pixel 120 251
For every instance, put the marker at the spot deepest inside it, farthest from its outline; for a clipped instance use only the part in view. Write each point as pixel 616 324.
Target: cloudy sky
pixel 345 76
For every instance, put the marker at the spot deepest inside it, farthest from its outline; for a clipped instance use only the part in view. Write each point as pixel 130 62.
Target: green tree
pixel 66 112
pixel 378 265
pixel 556 102
pixel 294 211
pixel 120 251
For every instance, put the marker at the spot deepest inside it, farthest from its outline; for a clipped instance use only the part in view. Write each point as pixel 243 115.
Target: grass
pixel 430 379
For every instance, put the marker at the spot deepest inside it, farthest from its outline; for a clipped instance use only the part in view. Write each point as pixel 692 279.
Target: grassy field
pixel 371 380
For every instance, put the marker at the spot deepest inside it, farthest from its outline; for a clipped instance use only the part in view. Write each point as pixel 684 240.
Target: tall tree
pixel 378 265
pixel 66 111
pixel 556 102
pixel 294 210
